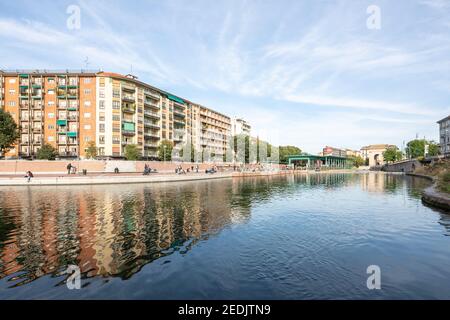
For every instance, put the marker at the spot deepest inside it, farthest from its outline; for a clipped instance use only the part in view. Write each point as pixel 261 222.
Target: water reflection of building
pixel 107 231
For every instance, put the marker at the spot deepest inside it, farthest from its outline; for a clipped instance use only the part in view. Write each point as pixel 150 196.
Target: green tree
pixel 47 152
pixel 246 139
pixel 91 151
pixel 358 161
pixel 433 149
pixel 416 148
pixel 9 131
pixel 132 152
pixel 286 151
pixel 392 154
pixel 165 150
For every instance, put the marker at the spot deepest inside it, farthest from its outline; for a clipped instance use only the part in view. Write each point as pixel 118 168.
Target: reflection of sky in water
pixel 283 237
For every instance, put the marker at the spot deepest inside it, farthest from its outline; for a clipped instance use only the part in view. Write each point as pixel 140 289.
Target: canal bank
pixel 110 178
pixel 432 196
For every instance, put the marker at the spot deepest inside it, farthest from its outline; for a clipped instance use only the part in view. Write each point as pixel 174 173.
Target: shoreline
pixel 138 178
pixel 432 196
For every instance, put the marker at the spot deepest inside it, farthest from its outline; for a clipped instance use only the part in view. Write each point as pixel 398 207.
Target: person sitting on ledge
pixel 29 175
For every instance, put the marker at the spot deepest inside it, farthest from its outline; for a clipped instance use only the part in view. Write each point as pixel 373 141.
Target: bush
pixel 444 182
pixel 47 152
pixel 132 152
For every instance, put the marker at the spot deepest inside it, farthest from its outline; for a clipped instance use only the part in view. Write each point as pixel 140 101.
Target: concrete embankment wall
pixel 403 166
pixel 103 166
pixel 97 166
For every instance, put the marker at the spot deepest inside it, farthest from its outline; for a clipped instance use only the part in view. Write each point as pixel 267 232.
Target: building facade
pixel 70 110
pixel 240 126
pixel 444 135
pixel 335 152
pixel 373 154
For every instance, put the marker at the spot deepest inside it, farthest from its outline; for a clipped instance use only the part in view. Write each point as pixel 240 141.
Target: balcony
pixel 37 129
pixel 151 104
pixel 178 122
pixel 150 145
pixel 178 113
pixel 149 124
pixel 151 135
pixel 24 106
pixel 128 133
pixel 128 87
pixel 61 122
pixel 152 95
pixel 128 109
pixel 129 98
pixel 150 114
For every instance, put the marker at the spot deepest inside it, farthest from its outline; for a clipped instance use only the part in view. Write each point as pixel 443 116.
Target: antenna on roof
pixel 86 61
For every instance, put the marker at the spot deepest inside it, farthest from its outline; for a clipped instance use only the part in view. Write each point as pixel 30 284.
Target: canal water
pixel 297 237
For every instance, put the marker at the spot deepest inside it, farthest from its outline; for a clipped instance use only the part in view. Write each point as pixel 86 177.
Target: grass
pixel 444 182
pixel 441 171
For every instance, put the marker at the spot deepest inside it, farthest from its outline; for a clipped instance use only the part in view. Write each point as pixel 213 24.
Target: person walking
pixel 69 167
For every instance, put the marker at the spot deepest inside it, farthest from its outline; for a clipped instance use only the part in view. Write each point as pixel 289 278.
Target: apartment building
pixel 50 107
pixel 69 109
pixel 331 151
pixel 240 126
pixel 444 135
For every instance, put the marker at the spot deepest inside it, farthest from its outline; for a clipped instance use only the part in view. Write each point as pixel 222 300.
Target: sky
pixel 308 73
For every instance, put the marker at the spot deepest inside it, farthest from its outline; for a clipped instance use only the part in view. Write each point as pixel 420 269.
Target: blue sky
pixel 306 73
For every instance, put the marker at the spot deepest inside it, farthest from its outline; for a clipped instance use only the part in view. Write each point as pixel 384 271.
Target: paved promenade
pixel 105 178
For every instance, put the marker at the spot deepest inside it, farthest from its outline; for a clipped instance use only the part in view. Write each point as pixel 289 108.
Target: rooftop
pixel 445 119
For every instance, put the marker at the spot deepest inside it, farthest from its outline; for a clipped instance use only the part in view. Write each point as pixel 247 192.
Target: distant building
pixel 444 134
pixel 335 152
pixel 240 126
pixel 374 153
pixel 352 153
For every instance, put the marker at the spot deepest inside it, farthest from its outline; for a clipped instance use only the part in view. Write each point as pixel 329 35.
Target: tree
pixel 132 152
pixel 9 131
pixel 392 154
pixel 416 148
pixel 165 150
pixel 91 151
pixel 358 161
pixel 47 152
pixel 286 151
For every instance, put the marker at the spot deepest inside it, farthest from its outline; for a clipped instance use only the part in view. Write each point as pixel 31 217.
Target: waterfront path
pixel 106 178
pixel 127 178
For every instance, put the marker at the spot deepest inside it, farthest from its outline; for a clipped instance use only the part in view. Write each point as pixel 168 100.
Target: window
pixel 12 91
pixel 12 80
pixel 101 127
pixel 87 91
pixel 101 104
pixel 101 116
pixel 116 93
pixel 12 103
pixel 51 103
pixel 101 139
pixel 116 139
pixel 51 138
pixel 116 117
pixel 102 82
pixel 87 103
pixel 51 81
pixel 116 105
pixel 101 93
pixel 87 138
pixel 51 91
pixel 87 127
pixel 51 115
pixel 87 114
pixel 87 80
pixel 51 127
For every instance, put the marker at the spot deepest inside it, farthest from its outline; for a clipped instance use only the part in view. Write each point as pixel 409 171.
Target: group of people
pixel 180 170
pixel 212 170
pixel 148 170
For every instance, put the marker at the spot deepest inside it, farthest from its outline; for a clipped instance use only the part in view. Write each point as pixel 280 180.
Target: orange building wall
pixel 87 133
pixel 13 110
